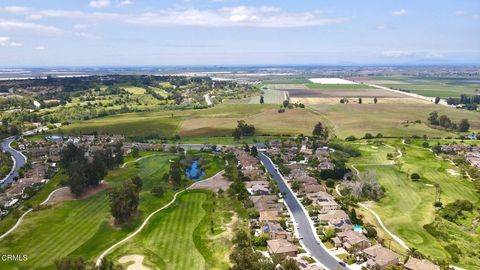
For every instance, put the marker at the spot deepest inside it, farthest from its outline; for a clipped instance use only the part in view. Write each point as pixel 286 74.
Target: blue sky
pixel 238 32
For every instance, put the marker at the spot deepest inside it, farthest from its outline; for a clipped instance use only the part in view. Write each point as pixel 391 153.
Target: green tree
pixel 77 180
pixel 433 118
pixel 445 121
pixel 254 151
pixel 375 100
pixel 138 182
pixel 124 201
pixel 135 152
pixel 175 173
pixel 69 154
pixel 437 100
pixel 320 131
pixel 415 177
pixel 464 125
pixel 262 100
pixel 359 100
pixel 290 264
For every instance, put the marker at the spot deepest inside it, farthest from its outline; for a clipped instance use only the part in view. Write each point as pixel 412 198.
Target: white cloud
pixel 40 48
pixel 265 16
pixel 246 16
pixel 80 26
pixel 460 12
pixel 6 42
pixel 125 3
pixel 11 25
pixel 99 3
pixel 400 12
pixel 381 27
pixel 86 35
pixel 412 54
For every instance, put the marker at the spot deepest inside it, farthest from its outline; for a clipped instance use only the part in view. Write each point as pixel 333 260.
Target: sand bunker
pixel 214 183
pixel 137 262
pixel 453 172
pixel 64 194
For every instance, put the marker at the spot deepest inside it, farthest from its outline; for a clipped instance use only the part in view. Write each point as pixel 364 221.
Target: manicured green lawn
pixel 181 238
pixel 408 205
pixel 83 227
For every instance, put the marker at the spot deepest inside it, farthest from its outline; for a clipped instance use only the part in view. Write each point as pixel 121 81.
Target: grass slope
pixel 82 227
pixel 388 119
pixel 180 237
pixel 408 205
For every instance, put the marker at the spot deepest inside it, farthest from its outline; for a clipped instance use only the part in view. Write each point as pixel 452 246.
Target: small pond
pixel 195 172
pixel 53 137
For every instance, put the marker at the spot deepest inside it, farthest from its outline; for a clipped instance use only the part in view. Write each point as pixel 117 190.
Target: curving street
pixel 19 160
pixel 302 221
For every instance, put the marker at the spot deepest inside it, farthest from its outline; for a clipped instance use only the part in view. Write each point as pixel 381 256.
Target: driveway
pixel 302 221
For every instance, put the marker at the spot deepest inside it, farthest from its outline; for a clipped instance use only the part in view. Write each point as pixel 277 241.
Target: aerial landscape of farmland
pixel 239 135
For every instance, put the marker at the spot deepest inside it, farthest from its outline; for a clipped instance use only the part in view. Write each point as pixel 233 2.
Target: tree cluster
pixel 445 122
pixel 470 102
pixel 243 129
pixel 320 131
pixel 124 199
pixel 83 172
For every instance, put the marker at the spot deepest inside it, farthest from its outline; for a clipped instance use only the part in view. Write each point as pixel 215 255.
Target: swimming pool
pixel 357 228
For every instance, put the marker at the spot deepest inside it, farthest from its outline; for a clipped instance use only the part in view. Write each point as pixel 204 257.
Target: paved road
pixel 19 158
pixel 310 239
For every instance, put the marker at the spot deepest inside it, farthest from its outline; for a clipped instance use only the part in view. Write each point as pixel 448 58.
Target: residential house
pixel 282 248
pixel 353 241
pixel 269 216
pixel 380 258
pixel 259 190
pixel 312 188
pixel 419 264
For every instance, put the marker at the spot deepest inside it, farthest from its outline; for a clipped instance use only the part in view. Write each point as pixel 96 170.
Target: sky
pixel 238 32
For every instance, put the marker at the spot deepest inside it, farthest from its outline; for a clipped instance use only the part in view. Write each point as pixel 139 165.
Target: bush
pixel 438 204
pixel 350 138
pixel 368 136
pixel 330 183
pixel 415 176
pixel 425 144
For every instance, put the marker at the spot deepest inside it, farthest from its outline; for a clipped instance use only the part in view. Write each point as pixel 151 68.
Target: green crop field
pixel 184 228
pixel 408 205
pixel 388 119
pixel 434 87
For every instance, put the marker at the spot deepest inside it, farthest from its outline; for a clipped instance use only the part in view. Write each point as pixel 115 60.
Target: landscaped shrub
pixel 415 176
